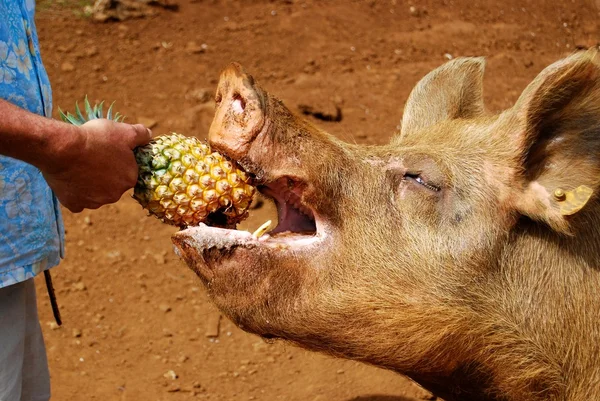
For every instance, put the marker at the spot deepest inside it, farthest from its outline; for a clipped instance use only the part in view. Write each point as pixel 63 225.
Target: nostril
pixel 238 104
pixel 218 98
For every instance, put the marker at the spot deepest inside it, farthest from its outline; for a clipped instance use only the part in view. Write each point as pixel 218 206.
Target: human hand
pixel 97 165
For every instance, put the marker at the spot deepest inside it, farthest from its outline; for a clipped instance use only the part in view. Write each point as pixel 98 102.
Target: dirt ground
pixel 136 319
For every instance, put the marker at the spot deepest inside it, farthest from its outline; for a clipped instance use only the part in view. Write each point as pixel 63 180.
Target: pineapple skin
pixel 184 183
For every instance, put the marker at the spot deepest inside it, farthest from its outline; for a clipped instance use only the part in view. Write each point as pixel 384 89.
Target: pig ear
pixel 454 90
pixel 558 135
pixel 240 112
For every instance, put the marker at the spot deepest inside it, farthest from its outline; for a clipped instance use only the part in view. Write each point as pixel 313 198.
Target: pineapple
pixel 181 180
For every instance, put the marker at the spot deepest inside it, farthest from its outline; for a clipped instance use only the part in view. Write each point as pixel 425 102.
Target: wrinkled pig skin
pixel 443 255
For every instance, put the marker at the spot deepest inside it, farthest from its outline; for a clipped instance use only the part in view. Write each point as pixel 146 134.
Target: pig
pixel 464 254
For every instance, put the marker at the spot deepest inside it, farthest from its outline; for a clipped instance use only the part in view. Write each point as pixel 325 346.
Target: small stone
pixel 87 221
pixel 164 308
pixel 53 325
pixel 67 67
pixel 79 286
pixel 182 359
pixel 92 51
pixel 170 374
pixel 417 12
pixel 147 122
pixel 194 48
pixel 76 333
pixel 65 48
pixel 160 259
pixel 113 254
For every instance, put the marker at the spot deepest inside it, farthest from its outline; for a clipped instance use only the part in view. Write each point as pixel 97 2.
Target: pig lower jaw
pixel 204 238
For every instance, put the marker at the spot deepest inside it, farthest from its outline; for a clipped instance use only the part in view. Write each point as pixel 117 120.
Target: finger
pixel 142 136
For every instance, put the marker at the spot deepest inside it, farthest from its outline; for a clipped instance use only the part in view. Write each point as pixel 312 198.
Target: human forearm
pixel 34 139
pixel 86 166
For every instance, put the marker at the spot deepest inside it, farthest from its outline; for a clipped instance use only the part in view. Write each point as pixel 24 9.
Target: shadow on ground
pixel 375 397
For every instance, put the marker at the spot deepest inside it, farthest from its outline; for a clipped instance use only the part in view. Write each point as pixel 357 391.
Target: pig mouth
pixel 299 228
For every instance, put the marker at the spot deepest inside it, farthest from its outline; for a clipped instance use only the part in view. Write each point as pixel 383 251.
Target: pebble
pixel 113 254
pixel 67 67
pixel 92 51
pixel 170 374
pixel 164 308
pixel 53 326
pixel 160 259
pixel 194 48
pixel 76 333
pixel 79 286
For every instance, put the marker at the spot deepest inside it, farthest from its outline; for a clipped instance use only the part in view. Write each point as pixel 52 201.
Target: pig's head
pixel 396 255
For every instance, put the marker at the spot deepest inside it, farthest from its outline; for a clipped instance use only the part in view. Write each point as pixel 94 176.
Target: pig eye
pixel 419 180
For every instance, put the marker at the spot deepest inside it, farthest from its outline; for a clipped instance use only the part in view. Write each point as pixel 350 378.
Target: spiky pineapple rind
pixel 184 183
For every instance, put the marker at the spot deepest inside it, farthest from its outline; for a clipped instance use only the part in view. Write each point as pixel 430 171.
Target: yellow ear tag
pixel 574 200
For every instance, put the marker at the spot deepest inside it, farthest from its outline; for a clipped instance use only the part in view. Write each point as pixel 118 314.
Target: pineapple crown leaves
pixel 91 113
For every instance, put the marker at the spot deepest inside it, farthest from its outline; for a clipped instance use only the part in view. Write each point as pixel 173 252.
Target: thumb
pixel 142 136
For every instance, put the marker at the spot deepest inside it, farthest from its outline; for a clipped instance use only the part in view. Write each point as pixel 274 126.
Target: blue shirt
pixel 31 230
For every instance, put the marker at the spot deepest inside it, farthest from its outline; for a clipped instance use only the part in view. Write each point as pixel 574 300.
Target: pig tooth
pixel 262 229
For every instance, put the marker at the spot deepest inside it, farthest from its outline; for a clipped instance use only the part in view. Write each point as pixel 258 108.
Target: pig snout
pixel 240 112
